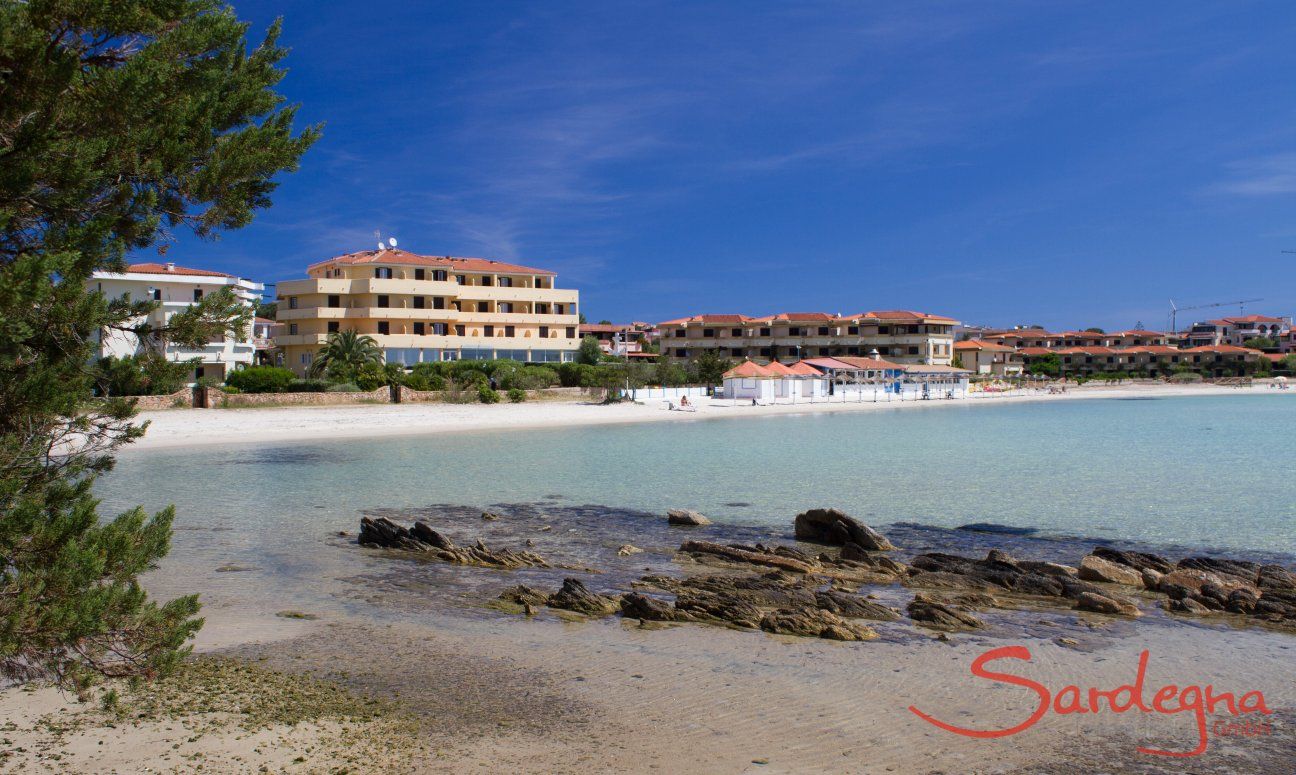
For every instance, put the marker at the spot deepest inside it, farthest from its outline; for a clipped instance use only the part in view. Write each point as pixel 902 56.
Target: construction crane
pixel 1174 311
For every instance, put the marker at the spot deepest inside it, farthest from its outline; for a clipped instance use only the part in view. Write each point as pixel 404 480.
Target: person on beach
pixel 684 402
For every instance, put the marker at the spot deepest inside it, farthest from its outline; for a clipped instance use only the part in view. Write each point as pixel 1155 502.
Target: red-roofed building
pixel 429 308
pixel 903 336
pixel 988 358
pixel 175 288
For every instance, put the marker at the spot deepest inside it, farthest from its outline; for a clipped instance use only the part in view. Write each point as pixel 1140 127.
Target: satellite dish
pixel 381 246
pixel 391 241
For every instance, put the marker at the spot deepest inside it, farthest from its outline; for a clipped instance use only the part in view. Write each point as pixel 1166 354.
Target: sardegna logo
pixel 1168 700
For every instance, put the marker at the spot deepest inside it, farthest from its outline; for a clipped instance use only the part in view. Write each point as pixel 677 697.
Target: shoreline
pixel 180 428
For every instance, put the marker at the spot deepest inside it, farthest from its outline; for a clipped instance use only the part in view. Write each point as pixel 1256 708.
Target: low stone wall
pixel 408 396
pixel 219 399
pixel 181 399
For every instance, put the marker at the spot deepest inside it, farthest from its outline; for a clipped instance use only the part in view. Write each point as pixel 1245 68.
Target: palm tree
pixel 344 353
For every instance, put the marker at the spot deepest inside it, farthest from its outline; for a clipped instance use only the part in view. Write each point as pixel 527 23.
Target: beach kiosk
pixel 749 381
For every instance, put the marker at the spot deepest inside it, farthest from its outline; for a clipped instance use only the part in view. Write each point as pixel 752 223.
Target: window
pixel 913 350
pixel 542 309
pixel 384 327
pixel 438 329
pixel 157 296
pixel 884 330
pixel 490 330
pixel 418 329
pixel 735 332
pixel 384 301
pixel 332 326
pixel 420 302
pixel 823 330
pixel 736 352
pixel 440 275
pixel 765 352
pixel 486 279
pixel 459 330
pixel 794 331
pixel 420 274
pixel 544 332
pixel 708 333
pixel 680 352
pixel 461 279
pixel 197 294
pixel 305 358
pixel 292 302
pixel 382 272
pixel 292 329
pixel 483 306
pixel 509 331
pixel 765 332
pixel 335 301
pixel 438 302
pixel 506 282
pixel 558 309
pixel 853 330
pixel 504 306
pixel 571 332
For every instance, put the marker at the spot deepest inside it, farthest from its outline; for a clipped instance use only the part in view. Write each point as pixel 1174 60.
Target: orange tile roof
pixel 707 318
pixel 156 268
pixel 819 317
pixel 1032 351
pixel 873 364
pixel 977 344
pixel 1222 349
pixel 778 369
pixel 804 369
pixel 749 369
pixel 455 263
pixel 1255 319
pixel 903 314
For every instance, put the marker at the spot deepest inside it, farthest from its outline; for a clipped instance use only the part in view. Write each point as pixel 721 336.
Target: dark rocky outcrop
pixel 1094 568
pixel 934 614
pixel 814 623
pixel 523 595
pixel 835 528
pixel 750 555
pixel 635 605
pixel 686 517
pixel 1137 560
pixel 853 606
pixel 383 533
pixel 1106 604
pixel 575 597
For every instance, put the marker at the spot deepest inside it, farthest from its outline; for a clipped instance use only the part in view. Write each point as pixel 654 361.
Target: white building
pixel 176 288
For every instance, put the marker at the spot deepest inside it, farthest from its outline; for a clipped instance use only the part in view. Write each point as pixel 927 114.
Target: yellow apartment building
pixel 428 308
pixel 899 336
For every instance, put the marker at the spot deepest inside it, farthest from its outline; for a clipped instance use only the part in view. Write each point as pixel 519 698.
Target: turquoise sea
pixel 1217 473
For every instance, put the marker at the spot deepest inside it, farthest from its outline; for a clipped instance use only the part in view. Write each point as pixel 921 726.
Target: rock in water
pixel 635 605
pixel 814 623
pixel 1106 604
pixel 575 597
pixel 751 555
pixel 834 527
pixel 1093 568
pixel 523 595
pixel 628 549
pixel 1136 560
pixel 854 606
pixel 420 538
pixel 685 517
pixel 937 615
pixel 490 516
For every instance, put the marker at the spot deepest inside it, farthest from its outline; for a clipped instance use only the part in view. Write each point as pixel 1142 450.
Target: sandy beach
pixel 336 657
pixel 191 427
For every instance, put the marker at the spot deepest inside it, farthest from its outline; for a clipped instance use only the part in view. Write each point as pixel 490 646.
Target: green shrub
pixel 516 395
pixel 343 387
pixel 573 374
pixel 261 379
pixel 231 390
pixel 486 395
pixel 307 386
pixel 371 376
pixel 139 375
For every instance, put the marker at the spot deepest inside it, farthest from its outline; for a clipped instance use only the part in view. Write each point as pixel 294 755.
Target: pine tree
pixel 120 123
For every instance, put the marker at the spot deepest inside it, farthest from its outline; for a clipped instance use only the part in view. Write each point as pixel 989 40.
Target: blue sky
pixel 1062 163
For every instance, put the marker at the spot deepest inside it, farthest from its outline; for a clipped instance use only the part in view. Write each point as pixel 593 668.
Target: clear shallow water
pixel 1212 472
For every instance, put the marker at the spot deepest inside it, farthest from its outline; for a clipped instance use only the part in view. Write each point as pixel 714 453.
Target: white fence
pixel 666 393
pixel 868 393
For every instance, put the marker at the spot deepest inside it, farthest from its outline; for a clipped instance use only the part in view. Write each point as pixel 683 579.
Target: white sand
pixel 191 427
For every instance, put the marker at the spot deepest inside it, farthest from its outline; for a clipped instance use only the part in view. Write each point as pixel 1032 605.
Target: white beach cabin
pixel 749 381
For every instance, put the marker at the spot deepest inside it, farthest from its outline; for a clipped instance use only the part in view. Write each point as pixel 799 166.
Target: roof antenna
pixel 378 236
